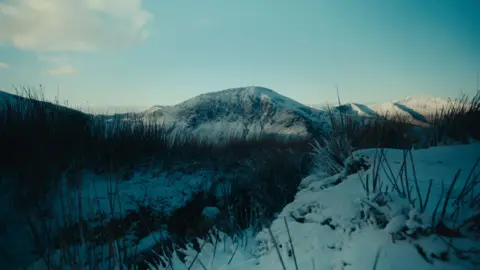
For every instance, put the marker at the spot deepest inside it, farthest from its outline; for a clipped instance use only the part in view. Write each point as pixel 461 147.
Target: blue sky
pixel 140 53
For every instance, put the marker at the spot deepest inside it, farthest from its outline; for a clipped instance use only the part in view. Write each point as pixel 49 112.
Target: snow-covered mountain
pixel 240 112
pixel 417 108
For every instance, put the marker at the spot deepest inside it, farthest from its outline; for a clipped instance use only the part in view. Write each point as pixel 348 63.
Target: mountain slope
pixel 240 112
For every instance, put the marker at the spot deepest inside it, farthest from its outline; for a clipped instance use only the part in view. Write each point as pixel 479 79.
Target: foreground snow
pixel 345 241
pixel 329 231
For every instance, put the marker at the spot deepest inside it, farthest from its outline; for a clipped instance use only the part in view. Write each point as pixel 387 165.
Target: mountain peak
pixel 248 89
pixel 240 110
pixel 241 96
pixel 242 93
pixel 254 89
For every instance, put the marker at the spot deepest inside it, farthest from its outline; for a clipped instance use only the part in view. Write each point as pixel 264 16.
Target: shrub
pixel 458 121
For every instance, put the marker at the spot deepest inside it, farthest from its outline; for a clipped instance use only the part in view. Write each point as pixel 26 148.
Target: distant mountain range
pixel 417 108
pixel 245 112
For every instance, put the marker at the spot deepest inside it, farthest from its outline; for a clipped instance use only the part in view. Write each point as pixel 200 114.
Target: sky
pixel 155 52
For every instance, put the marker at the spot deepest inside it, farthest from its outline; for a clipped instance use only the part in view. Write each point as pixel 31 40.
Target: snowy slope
pixel 345 240
pixel 331 228
pixel 240 112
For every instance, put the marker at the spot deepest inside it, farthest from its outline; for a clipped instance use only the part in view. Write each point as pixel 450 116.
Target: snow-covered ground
pixel 163 191
pixel 99 199
pixel 331 228
pixel 331 221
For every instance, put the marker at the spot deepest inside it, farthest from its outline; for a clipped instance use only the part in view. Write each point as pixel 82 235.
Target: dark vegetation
pixel 459 121
pixel 46 142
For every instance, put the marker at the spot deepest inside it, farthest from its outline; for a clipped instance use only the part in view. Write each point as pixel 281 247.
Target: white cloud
pixel 4 65
pixel 73 25
pixel 63 70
